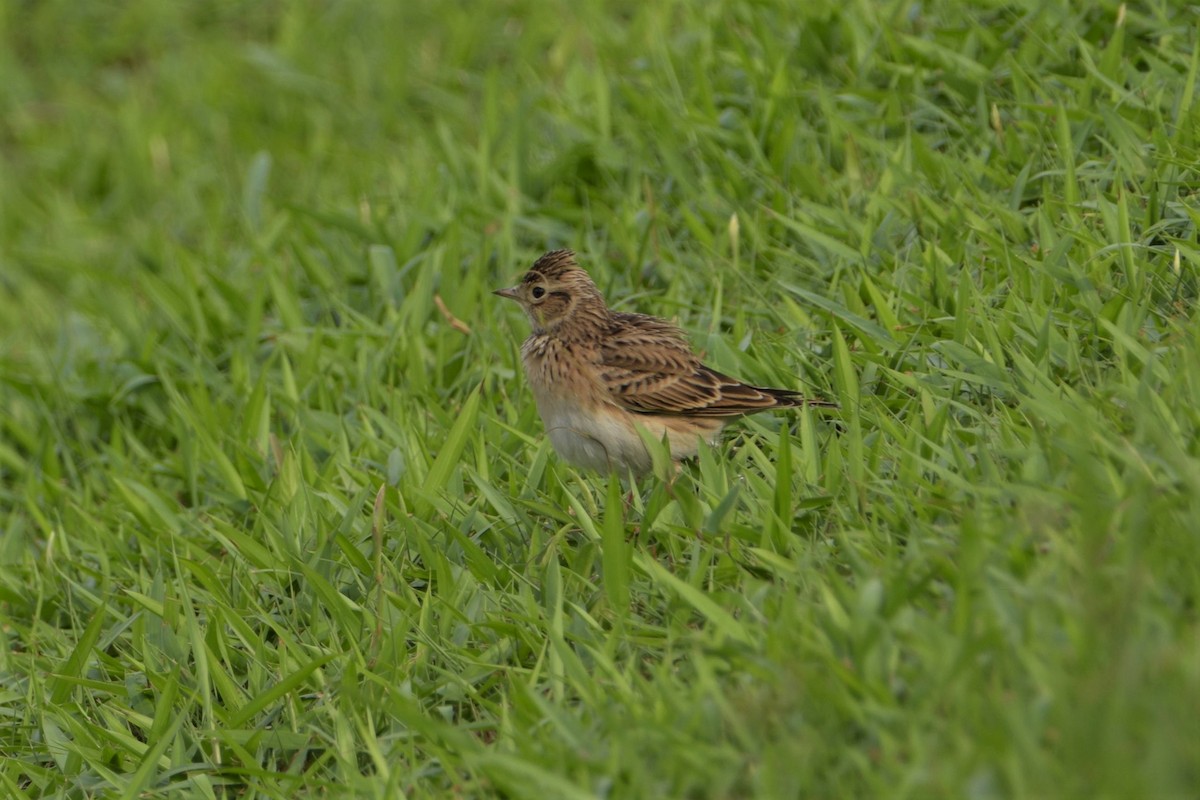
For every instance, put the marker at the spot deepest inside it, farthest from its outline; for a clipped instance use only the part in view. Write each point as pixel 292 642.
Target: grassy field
pixel 272 527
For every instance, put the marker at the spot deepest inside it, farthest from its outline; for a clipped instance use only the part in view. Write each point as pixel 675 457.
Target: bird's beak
pixel 510 293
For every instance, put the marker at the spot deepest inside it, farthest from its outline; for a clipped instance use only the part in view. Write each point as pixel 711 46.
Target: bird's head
pixel 555 291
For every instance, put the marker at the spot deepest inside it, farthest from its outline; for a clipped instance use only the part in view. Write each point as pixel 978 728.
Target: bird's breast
pixel 583 424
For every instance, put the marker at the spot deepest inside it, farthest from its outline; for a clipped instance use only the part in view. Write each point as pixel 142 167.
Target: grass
pixel 273 527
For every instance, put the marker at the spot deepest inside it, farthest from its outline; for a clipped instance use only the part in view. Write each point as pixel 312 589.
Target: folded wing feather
pixel 649 368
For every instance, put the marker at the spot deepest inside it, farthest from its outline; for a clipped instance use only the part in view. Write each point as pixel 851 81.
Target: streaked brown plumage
pixel 597 375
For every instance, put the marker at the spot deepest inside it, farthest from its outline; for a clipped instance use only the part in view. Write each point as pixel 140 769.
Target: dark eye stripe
pixel 561 295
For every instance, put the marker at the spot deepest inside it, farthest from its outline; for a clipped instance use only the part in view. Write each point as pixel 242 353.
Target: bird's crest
pixel 553 265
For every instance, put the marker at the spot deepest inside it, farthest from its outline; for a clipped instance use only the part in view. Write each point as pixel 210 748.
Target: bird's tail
pixel 786 398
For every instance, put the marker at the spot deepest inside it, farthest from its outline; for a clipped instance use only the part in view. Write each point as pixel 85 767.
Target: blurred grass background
pixel 223 231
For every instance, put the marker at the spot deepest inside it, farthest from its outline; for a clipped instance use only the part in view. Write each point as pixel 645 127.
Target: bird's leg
pixel 669 484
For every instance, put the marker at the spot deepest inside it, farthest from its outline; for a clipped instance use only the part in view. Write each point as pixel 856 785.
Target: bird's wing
pixel 648 367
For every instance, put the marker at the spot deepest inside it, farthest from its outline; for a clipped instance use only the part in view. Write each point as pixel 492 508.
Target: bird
pixel 598 375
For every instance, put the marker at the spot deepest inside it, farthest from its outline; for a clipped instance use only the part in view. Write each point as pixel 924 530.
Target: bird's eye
pixel 538 293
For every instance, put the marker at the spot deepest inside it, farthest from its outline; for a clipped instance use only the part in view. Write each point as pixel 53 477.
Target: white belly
pixel 596 441
pixel 602 441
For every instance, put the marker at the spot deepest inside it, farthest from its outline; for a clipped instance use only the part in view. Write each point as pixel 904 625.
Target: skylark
pixel 598 375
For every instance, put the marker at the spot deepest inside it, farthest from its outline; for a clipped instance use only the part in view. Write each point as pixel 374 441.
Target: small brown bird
pixel 597 375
